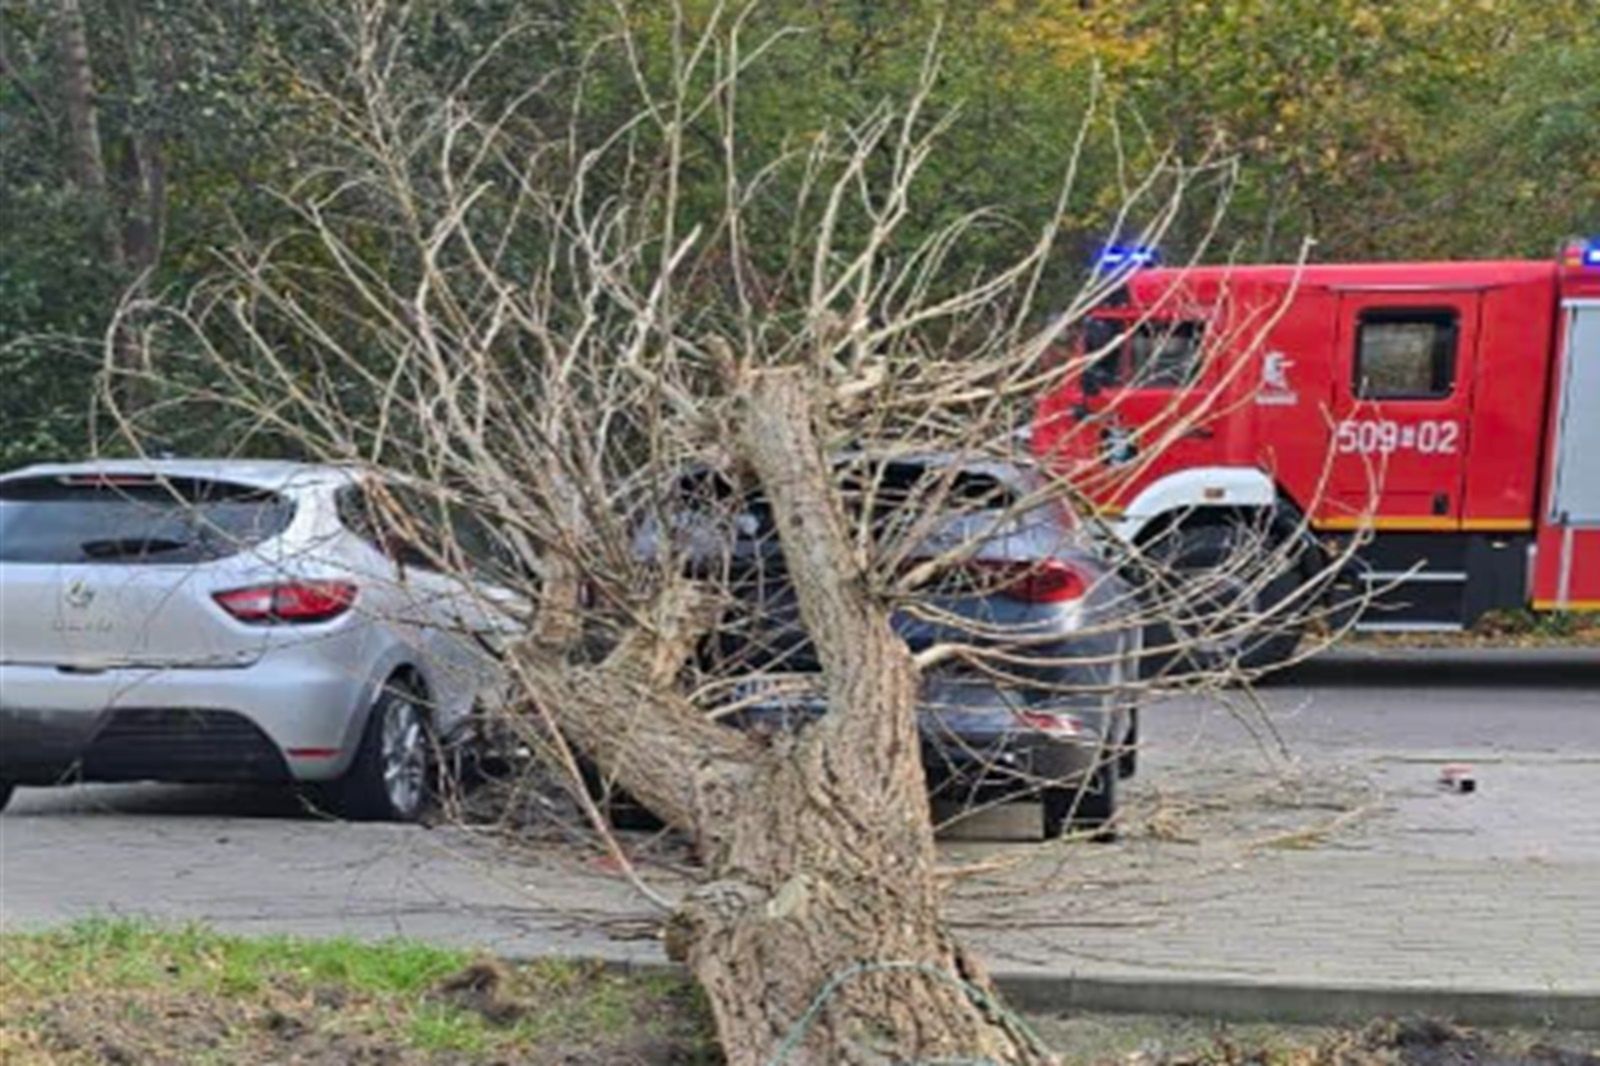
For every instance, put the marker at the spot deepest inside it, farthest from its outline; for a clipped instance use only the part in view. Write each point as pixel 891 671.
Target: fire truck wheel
pixel 1214 606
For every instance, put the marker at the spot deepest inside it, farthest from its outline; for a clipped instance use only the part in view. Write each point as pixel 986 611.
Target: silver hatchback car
pixel 214 621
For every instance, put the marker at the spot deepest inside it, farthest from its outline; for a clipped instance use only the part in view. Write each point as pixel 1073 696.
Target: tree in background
pixel 139 135
pixel 1384 130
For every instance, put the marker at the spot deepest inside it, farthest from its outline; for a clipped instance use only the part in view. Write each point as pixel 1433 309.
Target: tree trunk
pixel 818 936
pixel 144 161
pixel 88 158
pixel 821 934
pixel 626 717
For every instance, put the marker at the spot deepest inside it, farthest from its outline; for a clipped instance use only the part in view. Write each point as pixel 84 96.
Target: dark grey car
pixel 1041 700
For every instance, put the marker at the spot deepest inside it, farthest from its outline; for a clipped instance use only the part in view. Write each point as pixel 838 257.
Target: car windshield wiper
pixel 116 547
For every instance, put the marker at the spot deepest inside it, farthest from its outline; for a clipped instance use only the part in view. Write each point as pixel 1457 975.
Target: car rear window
pixel 880 491
pixel 132 520
pixel 397 519
pixel 893 487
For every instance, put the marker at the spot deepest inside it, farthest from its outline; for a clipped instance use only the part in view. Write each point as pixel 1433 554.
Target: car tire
pixel 388 780
pixel 1091 807
pixel 6 789
pixel 1197 550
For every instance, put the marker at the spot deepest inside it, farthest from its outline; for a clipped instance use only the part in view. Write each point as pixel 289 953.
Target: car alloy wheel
pixel 405 755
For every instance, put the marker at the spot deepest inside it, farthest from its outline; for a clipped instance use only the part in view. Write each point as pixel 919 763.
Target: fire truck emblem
pixel 1118 445
pixel 1275 390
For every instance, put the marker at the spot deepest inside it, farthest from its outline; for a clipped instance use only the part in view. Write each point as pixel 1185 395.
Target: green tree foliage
pixel 1451 128
pixel 1430 128
pixel 189 118
pixel 204 114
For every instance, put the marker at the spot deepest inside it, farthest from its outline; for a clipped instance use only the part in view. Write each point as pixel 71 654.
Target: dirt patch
pixel 163 1026
pixel 1152 1040
pixel 279 1026
pixel 111 995
pixel 1428 1042
pixel 282 1024
pixel 1425 1042
pixel 484 988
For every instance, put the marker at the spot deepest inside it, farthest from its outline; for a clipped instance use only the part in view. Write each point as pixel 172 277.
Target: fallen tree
pixel 522 315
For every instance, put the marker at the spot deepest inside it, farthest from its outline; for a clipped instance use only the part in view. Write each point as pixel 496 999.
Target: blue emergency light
pixel 1115 258
pixel 1582 253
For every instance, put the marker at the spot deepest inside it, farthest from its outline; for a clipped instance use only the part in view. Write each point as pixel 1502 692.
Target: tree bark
pixel 821 935
pixel 818 935
pixel 626 717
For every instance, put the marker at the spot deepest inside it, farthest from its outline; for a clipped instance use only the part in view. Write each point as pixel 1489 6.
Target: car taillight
pixel 1055 724
pixel 1043 581
pixel 294 602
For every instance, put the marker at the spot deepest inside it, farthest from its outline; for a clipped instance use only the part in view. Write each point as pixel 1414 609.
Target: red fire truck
pixel 1446 415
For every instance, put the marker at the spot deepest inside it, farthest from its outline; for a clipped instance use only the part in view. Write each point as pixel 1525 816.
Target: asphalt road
pixel 253 861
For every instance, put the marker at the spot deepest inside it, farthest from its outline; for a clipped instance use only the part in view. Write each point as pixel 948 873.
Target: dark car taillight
pixel 1042 581
pixel 1056 724
pixel 293 602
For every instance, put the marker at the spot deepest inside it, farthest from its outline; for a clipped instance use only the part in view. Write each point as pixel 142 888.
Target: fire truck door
pixel 1402 400
pixel 1575 494
pixel 1567 571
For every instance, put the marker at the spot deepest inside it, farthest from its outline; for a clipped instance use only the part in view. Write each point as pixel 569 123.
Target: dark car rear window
pixel 882 491
pixel 123 520
pixel 893 487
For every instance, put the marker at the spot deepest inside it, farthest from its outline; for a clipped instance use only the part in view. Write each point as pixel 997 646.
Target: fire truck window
pixel 1102 336
pixel 1152 355
pixel 1405 354
pixel 1163 355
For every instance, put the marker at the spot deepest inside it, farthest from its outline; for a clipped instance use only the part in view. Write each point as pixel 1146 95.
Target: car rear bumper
pixel 287 716
pixel 972 769
pixel 136 744
pixel 982 741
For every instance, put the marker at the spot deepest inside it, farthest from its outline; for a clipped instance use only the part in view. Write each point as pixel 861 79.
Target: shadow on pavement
pixel 201 801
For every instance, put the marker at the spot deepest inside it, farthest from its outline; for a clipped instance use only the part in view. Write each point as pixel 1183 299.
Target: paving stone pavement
pixel 1337 918
pixel 1229 874
pixel 1362 872
pixel 1335 864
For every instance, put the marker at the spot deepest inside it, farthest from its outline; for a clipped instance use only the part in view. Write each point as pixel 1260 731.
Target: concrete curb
pixel 1309 1004
pixel 1231 999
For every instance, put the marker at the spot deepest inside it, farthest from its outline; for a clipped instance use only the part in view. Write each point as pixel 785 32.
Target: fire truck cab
pixel 1447 413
